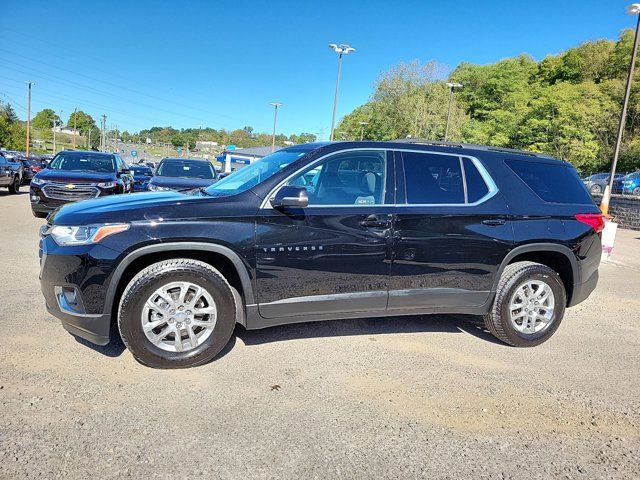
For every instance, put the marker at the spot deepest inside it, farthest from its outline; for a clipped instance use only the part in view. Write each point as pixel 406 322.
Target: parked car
pixel 597 182
pixel 31 167
pixel 141 176
pixel 631 183
pixel 385 229
pixel 78 175
pixel 11 173
pixel 182 174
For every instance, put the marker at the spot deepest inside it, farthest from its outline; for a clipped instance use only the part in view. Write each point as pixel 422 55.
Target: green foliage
pixel 46 119
pixel 13 132
pixel 567 105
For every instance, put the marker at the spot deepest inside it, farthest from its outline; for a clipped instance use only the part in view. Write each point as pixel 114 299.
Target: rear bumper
pixel 582 290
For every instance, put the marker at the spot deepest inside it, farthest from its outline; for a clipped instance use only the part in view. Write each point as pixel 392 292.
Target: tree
pixel 46 119
pixel 81 121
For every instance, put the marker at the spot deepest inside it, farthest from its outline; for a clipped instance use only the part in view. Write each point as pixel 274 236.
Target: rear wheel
pixel 15 185
pixel 177 313
pixel 529 305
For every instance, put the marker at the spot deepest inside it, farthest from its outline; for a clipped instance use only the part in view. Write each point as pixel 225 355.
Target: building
pixel 240 157
pixel 206 146
pixel 65 130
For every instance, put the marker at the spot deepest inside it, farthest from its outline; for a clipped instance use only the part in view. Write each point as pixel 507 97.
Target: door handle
pixel 494 222
pixel 372 221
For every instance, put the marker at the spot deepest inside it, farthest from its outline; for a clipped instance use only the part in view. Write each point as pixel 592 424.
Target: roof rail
pixel 439 143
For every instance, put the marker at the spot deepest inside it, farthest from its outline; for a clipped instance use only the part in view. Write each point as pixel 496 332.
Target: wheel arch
pixel 556 256
pixel 221 257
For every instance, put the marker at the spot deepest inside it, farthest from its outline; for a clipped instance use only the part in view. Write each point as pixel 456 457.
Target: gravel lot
pixel 431 397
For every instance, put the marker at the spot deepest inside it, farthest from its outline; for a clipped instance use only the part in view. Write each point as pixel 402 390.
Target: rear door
pixel 333 256
pixel 451 232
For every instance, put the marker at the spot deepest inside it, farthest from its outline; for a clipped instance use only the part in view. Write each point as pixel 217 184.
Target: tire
pixel 15 185
pixel 134 310
pixel 595 189
pixel 498 321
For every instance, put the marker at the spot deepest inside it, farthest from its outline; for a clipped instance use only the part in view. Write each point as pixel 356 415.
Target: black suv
pixel 77 175
pixel 328 231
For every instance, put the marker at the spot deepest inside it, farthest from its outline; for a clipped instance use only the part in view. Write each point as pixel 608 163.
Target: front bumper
pixel 74 282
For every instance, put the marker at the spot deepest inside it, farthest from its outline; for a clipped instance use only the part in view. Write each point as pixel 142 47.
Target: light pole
pixel 362 125
pixel 342 49
pixel 275 106
pixel 633 9
pixel 29 85
pixel 452 87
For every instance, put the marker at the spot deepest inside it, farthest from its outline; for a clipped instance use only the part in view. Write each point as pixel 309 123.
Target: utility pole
pixel 75 110
pixel 342 49
pixel 452 86
pixel 275 119
pixel 103 133
pixel 29 84
pixel 362 124
pixel 633 9
pixel 89 144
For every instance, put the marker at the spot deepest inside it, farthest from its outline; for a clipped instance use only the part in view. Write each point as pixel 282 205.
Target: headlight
pixel 64 235
pixel 38 181
pixel 157 188
pixel 106 184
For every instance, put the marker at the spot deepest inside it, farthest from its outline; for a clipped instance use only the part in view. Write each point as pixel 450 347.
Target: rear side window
pixel 432 179
pixel 552 183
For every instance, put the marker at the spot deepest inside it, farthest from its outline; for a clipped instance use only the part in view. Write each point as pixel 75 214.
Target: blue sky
pixel 218 63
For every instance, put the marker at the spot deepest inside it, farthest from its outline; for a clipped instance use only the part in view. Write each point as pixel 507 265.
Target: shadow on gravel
pixel 113 349
pixel 470 324
pixel 6 193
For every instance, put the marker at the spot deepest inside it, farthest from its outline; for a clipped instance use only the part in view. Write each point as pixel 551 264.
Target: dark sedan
pixel 183 174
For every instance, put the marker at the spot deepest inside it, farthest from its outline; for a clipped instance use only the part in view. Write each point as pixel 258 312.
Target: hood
pixel 153 206
pixel 181 183
pixel 68 176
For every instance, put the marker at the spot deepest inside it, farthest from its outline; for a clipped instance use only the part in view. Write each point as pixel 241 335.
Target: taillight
pixel 35 169
pixel 594 220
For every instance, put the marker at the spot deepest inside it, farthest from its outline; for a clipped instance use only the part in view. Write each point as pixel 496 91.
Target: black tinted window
pixel 476 186
pixel 555 183
pixel 431 178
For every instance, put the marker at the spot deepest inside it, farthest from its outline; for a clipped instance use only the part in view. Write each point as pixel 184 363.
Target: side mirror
pixel 290 196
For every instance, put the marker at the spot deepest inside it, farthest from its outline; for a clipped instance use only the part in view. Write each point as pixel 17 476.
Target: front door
pixel 451 233
pixel 334 255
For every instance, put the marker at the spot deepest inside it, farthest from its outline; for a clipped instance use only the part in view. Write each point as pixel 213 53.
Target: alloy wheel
pixel 531 307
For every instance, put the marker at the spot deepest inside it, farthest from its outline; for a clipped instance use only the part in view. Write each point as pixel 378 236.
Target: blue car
pixel 141 176
pixel 183 174
pixel 631 183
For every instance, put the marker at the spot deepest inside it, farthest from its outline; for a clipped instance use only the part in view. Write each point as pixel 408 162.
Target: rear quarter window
pixel 555 183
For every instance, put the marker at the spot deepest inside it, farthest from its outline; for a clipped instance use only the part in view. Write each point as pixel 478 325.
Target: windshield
pixel 248 177
pixel 140 170
pixel 185 168
pixel 82 162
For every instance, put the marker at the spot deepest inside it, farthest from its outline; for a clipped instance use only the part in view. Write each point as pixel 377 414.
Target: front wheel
pixel 529 305
pixel 15 185
pixel 177 313
pixel 595 189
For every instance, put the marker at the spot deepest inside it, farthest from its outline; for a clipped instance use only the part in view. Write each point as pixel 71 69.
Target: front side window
pixel 83 162
pixel 353 178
